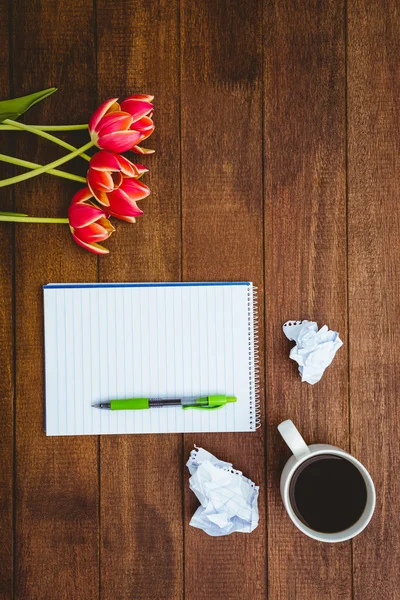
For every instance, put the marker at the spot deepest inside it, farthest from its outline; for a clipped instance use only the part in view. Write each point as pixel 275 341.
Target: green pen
pixel 207 403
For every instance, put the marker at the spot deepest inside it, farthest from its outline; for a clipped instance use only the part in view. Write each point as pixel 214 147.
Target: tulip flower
pixel 120 127
pixel 113 186
pixel 88 223
pixel 140 107
pixel 113 181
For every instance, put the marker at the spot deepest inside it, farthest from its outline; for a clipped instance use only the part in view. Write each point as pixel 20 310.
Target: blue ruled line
pixel 216 352
pixel 124 355
pixel 183 363
pixel 57 359
pixel 200 356
pixel 166 351
pixel 115 382
pixel 224 336
pixel 83 371
pixel 141 355
pixel 208 361
pixel 66 367
pixel 108 368
pixel 74 358
pixel 91 369
pixel 191 352
pixel 173 316
pixel 233 363
pixel 157 354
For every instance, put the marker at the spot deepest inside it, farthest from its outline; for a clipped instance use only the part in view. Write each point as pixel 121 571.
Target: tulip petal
pixel 92 233
pixel 82 215
pixel 141 169
pixel 95 248
pixel 82 195
pixel 119 141
pixel 101 181
pixel 121 204
pixel 127 167
pixel 136 108
pixel 124 218
pixel 105 223
pixel 101 111
pixel 139 150
pixel 144 97
pixel 144 125
pixel 101 197
pixel 136 190
pixel 105 161
pixel 147 134
pixel 115 122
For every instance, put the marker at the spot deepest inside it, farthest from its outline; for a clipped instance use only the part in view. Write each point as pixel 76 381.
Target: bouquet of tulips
pixel 112 186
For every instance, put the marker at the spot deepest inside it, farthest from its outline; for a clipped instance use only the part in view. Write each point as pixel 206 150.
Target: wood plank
pixel 222 240
pixel 56 478
pixel 305 266
pixel 141 498
pixel 374 290
pixel 6 336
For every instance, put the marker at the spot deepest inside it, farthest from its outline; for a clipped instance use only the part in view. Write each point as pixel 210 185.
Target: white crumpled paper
pixel 314 350
pixel 228 499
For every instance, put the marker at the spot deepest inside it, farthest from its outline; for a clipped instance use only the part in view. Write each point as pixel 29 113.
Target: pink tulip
pixel 88 222
pixel 140 108
pixel 113 181
pixel 121 127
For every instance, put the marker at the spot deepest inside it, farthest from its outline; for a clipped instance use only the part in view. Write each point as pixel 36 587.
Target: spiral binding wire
pixel 254 358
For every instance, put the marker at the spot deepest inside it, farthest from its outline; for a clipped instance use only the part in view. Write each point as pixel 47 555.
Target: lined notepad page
pixel 117 341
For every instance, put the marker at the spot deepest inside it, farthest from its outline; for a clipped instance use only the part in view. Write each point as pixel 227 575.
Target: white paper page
pixel 105 342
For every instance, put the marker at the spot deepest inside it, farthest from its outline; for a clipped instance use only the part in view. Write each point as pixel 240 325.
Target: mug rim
pixel 365 517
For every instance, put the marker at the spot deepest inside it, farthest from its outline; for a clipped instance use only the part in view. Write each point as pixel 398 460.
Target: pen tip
pixel 106 405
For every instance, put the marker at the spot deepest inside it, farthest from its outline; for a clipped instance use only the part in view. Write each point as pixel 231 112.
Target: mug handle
pixel 293 439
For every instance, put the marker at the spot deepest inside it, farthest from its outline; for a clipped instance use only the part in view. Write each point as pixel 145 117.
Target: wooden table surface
pixel 277 161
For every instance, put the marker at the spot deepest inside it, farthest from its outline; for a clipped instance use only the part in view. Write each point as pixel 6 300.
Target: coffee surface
pixel 328 493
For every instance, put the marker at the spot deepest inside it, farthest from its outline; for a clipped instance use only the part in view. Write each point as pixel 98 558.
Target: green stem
pixel 46 168
pixel 13 214
pixel 23 219
pixel 47 127
pixel 31 165
pixel 47 136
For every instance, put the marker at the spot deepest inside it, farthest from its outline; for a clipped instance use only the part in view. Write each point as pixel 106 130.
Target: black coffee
pixel 328 493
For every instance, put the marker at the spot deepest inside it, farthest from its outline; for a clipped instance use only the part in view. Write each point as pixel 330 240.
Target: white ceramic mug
pixel 302 453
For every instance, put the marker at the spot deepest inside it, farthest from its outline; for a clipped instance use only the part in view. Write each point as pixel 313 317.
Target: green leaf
pixel 13 108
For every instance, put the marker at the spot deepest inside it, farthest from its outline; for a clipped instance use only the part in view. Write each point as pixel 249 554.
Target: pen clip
pixel 194 407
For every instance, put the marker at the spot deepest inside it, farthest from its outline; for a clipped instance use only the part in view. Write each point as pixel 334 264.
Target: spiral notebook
pixel 168 340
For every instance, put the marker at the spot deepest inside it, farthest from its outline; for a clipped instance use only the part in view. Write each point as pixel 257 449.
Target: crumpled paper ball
pixel 228 500
pixel 314 350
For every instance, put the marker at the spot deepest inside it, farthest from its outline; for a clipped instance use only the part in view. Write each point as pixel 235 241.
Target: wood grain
pixel 242 89
pixel 141 497
pixel 6 345
pixel 374 258
pixel 222 240
pixel 305 266
pixel 56 478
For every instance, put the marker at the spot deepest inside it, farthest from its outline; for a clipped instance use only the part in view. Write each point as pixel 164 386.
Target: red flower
pixel 121 127
pixel 88 223
pixel 140 107
pixel 113 181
